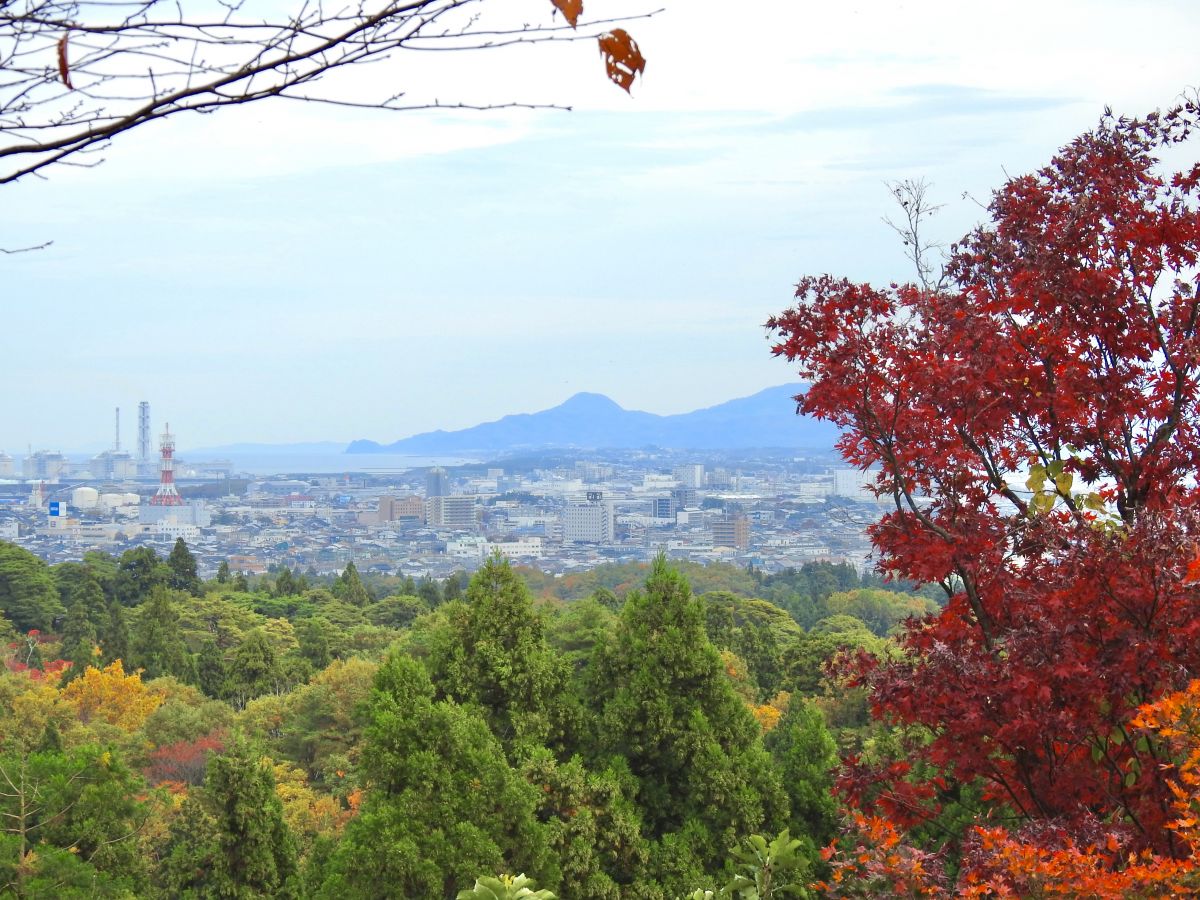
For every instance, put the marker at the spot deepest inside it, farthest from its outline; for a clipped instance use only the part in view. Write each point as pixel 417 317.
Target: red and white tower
pixel 167 495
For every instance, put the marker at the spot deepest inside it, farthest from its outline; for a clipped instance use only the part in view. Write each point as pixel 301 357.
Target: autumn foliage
pixel 110 695
pixel 1034 419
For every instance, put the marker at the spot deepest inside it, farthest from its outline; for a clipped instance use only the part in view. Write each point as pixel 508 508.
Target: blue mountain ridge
pixel 765 419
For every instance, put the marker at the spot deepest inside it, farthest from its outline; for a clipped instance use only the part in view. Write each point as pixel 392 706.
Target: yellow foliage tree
pixel 111 696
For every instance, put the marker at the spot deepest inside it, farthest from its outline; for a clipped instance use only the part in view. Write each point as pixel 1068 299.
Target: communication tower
pixel 167 495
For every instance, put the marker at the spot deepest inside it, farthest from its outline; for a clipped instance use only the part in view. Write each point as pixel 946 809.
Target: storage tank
pixel 85 498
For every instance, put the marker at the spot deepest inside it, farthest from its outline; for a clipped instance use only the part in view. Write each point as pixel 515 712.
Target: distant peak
pixel 586 400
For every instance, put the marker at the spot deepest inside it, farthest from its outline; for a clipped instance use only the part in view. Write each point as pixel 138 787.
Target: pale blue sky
pixel 293 274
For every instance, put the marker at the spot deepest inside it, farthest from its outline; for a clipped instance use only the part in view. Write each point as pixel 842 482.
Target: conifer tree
pixel 231 839
pixel 158 646
pixel 223 572
pixel 210 670
pixel 445 804
pixel 664 703
pixel 183 569
pixel 349 587
pixel 78 641
pixel 28 595
pixel 495 654
pixel 114 636
pixel 805 756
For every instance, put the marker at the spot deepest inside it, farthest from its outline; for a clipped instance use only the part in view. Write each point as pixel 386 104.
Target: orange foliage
pixel 1004 866
pixel 111 696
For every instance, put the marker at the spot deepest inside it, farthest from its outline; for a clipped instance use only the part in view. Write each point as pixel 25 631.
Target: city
pixel 560 511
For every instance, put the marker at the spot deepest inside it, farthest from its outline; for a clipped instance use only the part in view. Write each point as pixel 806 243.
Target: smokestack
pixel 117 435
pixel 144 465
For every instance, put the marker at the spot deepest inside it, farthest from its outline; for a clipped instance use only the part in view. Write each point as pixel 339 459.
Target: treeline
pixel 162 736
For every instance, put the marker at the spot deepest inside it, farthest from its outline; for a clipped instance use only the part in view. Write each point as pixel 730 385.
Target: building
pixel 456 512
pixel 393 509
pixel 690 476
pixel 852 484
pixel 685 497
pixel 46 465
pixel 7 469
pixel 731 531
pixel 662 507
pixel 588 523
pixel 191 512
pixel 521 547
pixel 436 483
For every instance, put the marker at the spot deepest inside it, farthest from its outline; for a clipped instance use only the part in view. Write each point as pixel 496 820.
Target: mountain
pixel 765 419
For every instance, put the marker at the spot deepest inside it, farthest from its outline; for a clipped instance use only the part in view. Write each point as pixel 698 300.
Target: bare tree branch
pixel 76 73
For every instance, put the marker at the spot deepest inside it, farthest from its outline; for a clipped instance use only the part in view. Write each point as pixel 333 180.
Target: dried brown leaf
pixel 64 70
pixel 571 10
pixel 622 58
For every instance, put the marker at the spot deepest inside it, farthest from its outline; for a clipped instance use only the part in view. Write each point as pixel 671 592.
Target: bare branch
pixel 913 197
pixel 76 73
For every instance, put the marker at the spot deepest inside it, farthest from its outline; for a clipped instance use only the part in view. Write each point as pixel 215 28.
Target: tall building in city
pixel 456 512
pixel 7 469
pixel 436 482
pixel 852 484
pixel 731 531
pixel 690 476
pixel 588 523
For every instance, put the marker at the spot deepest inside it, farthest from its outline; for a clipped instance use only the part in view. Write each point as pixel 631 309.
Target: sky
pixel 289 273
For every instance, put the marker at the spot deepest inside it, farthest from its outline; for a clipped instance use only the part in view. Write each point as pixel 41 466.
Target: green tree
pixel 664 703
pixel 211 672
pixel 350 588
pixel 254 669
pixel 78 641
pixel 68 823
pixel 223 572
pixel 183 569
pixel 285 584
pixel 157 646
pixel 231 840
pixel 495 654
pixel 240 583
pixel 138 573
pixel 114 635
pixel 445 804
pixel 28 595
pixel 396 612
pixel 805 755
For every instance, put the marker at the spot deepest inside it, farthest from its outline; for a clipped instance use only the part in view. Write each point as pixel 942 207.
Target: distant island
pixel 765 419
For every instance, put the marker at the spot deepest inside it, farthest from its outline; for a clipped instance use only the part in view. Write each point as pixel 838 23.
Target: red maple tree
pixel 1034 418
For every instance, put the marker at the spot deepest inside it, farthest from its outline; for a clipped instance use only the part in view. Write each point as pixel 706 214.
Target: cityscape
pixel 561 511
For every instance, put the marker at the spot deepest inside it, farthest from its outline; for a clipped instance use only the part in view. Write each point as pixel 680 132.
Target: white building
pixel 690 476
pixel 523 547
pixel 852 484
pixel 456 511
pixel 588 523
